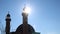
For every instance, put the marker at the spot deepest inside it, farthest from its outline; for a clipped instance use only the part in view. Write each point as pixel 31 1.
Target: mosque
pixel 24 28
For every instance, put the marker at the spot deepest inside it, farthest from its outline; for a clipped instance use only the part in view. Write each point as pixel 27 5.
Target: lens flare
pixel 26 9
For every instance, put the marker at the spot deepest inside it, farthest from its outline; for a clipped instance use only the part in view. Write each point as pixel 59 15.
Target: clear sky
pixel 44 16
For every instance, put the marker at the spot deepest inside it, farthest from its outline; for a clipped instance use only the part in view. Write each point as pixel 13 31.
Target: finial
pixel 8 12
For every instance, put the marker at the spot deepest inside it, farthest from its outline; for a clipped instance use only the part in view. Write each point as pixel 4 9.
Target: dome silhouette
pixel 20 29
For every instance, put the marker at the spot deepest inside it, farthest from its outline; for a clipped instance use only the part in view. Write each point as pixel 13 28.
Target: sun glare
pixel 27 9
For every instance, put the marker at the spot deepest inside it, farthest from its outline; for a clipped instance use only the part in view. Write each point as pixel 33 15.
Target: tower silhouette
pixel 8 19
pixel 24 28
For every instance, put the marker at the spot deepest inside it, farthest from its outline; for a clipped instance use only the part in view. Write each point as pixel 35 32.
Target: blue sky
pixel 44 17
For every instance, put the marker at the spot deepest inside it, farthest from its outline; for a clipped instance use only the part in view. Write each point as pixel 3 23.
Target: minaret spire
pixel 24 14
pixel 8 19
pixel 25 19
pixel 8 12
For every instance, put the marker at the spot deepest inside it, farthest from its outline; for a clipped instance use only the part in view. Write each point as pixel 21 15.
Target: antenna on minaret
pixel 26 3
pixel 8 12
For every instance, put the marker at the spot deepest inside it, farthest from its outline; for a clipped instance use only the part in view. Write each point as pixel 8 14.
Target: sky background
pixel 44 16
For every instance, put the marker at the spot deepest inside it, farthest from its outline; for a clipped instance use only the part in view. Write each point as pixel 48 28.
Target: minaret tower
pixel 8 19
pixel 25 21
pixel 26 9
pixel 25 16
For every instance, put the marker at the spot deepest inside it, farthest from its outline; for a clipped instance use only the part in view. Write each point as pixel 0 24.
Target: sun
pixel 27 9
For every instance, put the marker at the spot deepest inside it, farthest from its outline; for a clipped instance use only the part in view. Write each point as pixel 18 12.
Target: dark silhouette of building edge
pixel 24 28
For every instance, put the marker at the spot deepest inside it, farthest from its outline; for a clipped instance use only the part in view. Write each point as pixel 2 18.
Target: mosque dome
pixel 20 29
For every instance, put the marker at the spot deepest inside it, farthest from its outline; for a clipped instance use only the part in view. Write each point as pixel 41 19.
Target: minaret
pixel 25 16
pixel 8 19
pixel 25 21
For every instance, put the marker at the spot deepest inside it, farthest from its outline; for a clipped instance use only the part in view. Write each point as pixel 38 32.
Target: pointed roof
pixel 8 15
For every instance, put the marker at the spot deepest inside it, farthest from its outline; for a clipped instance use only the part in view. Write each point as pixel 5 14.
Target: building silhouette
pixel 24 28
